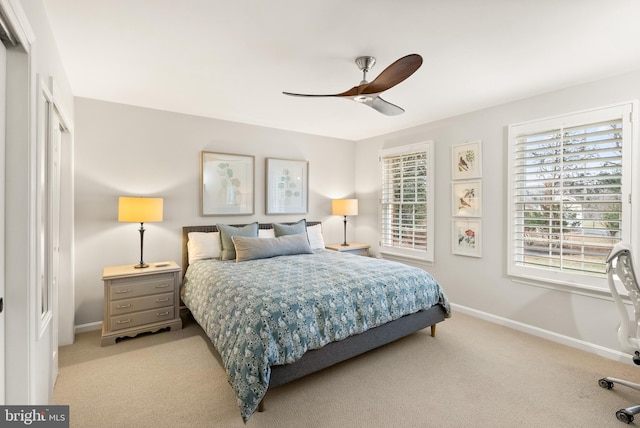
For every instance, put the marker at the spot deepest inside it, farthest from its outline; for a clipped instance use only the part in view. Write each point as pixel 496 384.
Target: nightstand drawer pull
pixel 165 299
pixel 128 290
pixel 162 314
pixel 162 286
pixel 128 305
pixel 127 321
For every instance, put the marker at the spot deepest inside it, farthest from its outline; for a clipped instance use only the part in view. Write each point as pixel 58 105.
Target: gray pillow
pixel 262 248
pixel 226 232
pixel 290 229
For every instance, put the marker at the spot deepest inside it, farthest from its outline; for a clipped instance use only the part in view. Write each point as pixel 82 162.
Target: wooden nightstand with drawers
pixel 140 300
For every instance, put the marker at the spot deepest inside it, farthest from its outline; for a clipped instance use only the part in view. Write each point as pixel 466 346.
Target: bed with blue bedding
pixel 278 318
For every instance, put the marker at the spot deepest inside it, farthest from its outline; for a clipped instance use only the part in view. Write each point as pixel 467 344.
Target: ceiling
pixel 231 60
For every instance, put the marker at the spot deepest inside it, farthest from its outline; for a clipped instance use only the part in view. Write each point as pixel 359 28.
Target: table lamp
pixel 344 207
pixel 140 210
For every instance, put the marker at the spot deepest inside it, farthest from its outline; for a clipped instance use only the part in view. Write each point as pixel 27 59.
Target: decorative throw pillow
pixel 266 233
pixel 316 240
pixel 226 232
pixel 290 229
pixel 203 245
pixel 262 248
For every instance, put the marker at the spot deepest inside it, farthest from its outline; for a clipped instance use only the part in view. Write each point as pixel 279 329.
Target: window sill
pixel 582 290
pixel 406 259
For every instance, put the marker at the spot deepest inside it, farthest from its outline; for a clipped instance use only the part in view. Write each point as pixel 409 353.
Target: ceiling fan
pixel 368 93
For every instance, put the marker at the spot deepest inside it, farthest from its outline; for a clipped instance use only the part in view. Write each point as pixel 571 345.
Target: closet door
pixel 49 137
pixel 53 247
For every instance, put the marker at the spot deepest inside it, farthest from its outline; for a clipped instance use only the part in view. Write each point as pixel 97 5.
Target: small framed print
pixel 226 184
pixel 467 238
pixel 466 161
pixel 467 198
pixel 287 186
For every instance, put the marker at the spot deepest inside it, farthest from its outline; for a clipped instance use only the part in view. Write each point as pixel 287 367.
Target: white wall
pixel 123 150
pixel 482 283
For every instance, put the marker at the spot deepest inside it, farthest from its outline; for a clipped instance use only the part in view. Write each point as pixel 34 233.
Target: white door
pixel 45 346
pixel 54 234
pixel 3 98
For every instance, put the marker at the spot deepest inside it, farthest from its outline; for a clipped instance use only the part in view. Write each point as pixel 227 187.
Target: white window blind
pixel 406 209
pixel 569 195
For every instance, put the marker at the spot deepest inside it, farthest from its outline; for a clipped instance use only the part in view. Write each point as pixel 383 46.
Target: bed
pixel 277 318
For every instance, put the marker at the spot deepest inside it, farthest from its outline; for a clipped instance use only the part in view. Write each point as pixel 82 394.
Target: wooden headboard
pixel 213 228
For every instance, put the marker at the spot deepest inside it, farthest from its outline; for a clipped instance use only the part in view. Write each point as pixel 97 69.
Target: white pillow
pixel 314 233
pixel 203 245
pixel 266 233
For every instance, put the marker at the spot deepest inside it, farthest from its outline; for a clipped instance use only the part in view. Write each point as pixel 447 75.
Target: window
pixel 406 208
pixel 569 195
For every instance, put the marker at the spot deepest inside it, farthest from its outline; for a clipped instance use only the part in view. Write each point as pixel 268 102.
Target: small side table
pixel 140 300
pixel 358 249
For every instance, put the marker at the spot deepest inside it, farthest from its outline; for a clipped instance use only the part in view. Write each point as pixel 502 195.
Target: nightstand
pixel 359 249
pixel 140 300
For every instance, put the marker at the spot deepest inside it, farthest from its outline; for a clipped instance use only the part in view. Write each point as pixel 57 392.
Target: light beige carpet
pixel 472 374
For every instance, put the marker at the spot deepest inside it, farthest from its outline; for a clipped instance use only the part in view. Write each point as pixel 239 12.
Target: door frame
pixel 20 151
pixel 3 99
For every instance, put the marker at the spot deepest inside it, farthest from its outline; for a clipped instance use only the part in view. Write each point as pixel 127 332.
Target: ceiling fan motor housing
pixel 365 63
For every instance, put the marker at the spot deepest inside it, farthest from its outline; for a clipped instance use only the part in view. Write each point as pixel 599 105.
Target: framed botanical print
pixel 467 237
pixel 287 186
pixel 226 184
pixel 467 198
pixel 466 161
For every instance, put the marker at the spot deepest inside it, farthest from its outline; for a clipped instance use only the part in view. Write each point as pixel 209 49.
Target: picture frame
pixel 287 186
pixel 226 184
pixel 466 200
pixel 466 237
pixel 466 161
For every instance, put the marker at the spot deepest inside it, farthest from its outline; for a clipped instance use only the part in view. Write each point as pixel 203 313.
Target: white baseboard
pixel 92 326
pixel 611 354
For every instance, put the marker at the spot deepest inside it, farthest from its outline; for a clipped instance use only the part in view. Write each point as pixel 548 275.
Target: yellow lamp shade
pixel 344 207
pixel 139 210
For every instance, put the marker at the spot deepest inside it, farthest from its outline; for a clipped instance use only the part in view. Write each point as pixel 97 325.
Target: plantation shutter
pixel 405 208
pixel 568 203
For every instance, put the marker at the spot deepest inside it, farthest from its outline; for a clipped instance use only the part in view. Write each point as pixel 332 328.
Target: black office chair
pixel 619 264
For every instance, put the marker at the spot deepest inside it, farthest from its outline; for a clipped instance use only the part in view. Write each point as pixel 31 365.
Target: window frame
pixel 428 253
pixel 627 112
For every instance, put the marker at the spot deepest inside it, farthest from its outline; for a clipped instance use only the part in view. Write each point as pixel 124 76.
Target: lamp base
pixel 344 244
pixel 142 264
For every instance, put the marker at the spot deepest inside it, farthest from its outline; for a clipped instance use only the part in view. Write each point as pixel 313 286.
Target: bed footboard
pixel 350 347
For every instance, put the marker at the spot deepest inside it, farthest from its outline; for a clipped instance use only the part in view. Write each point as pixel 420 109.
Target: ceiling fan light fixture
pixel 362 98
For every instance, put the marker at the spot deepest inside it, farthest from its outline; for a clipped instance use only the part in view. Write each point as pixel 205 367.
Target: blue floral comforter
pixel 268 312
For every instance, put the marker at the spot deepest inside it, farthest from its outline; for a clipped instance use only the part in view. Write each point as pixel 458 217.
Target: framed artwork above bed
pixel 226 184
pixel 287 186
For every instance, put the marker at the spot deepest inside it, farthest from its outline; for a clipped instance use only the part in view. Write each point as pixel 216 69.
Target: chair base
pixel 623 415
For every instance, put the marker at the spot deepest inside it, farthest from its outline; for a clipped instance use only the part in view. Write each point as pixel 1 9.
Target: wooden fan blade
pixel 350 93
pixel 308 95
pixel 392 75
pixel 384 107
